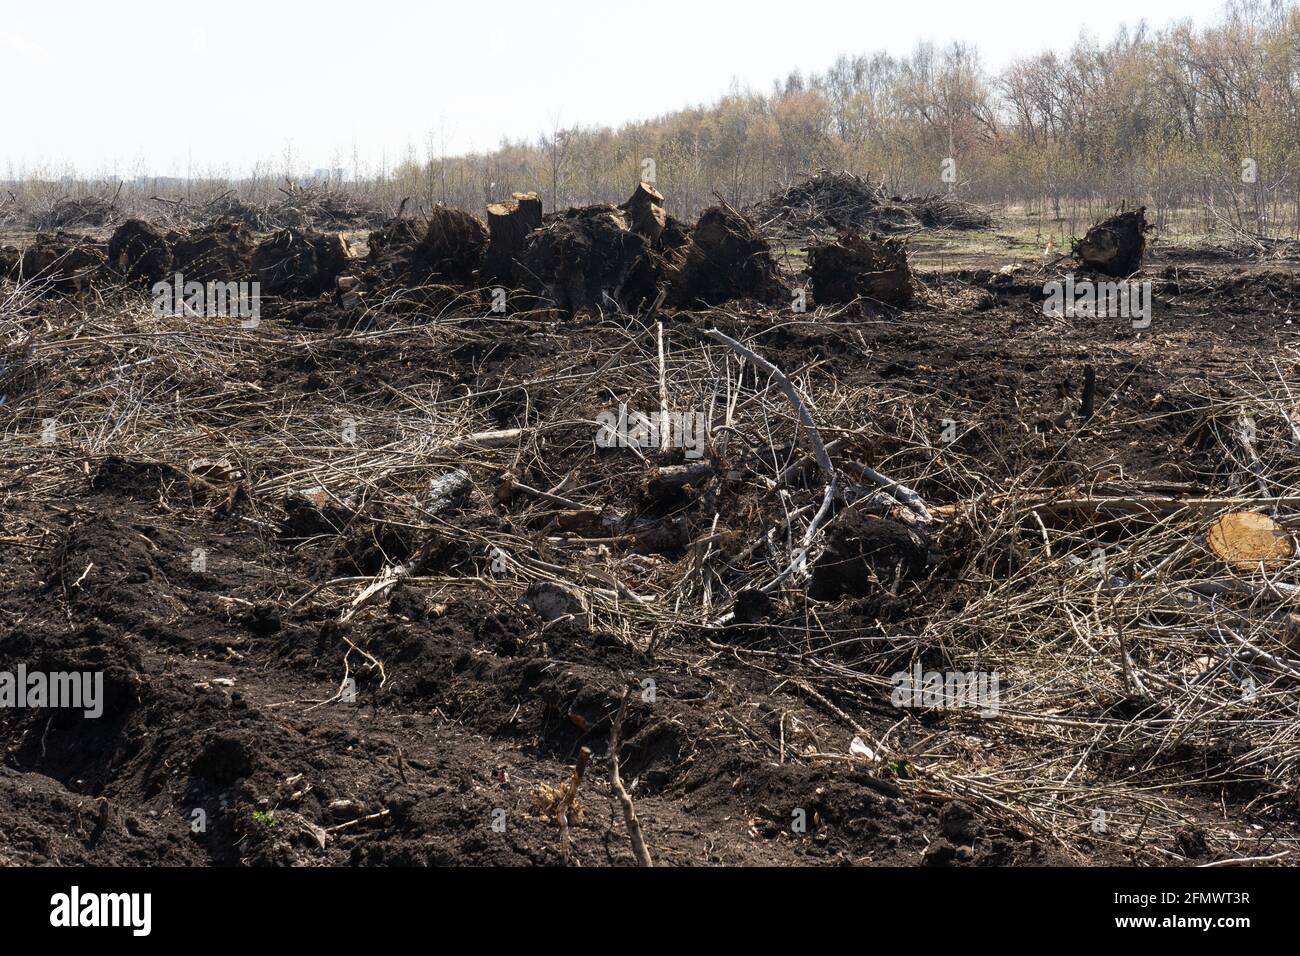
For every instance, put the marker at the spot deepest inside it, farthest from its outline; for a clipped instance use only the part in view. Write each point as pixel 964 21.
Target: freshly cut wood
pixel 509 224
pixel 1248 539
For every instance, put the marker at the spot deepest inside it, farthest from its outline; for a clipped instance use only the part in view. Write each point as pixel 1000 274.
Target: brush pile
pixel 846 202
pixel 80 213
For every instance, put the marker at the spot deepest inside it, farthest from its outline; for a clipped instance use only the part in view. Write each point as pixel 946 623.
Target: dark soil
pixel 226 740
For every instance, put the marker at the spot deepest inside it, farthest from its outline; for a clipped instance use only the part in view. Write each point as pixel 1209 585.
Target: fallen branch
pixel 616 781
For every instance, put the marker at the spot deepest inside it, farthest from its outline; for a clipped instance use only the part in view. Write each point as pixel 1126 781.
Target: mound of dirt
pixel 140 251
pixel 67 261
pixel 1115 246
pixel 853 267
pixel 221 251
pixel 589 260
pixel 509 224
pixel 10 258
pixel 725 259
pixel 300 264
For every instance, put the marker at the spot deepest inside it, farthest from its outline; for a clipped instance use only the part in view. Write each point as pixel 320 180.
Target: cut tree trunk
pixel 509 224
pixel 645 212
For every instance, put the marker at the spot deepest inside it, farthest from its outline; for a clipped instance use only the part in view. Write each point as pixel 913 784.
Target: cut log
pixel 1249 539
pixel 509 224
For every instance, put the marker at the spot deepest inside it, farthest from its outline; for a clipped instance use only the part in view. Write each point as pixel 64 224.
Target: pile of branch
pixel 846 202
pixel 319 206
pixel 83 212
pixel 11 211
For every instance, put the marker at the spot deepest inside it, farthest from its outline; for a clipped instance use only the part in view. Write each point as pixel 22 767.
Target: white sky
pixel 166 86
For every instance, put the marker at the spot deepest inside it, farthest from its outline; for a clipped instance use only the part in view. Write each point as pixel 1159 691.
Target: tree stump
pixel 854 267
pixel 645 212
pixel 1115 246
pixel 509 224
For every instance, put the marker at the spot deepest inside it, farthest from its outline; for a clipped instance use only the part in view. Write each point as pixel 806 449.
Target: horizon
pixel 368 121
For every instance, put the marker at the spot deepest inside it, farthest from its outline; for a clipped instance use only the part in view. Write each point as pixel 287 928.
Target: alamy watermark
pixel 1084 297
pixel 76 690
pixel 77 909
pixel 238 300
pixel 947 690
pixel 624 429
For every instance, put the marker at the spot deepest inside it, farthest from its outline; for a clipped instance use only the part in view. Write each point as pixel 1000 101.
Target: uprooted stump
pixel 446 249
pixel 300 264
pixel 646 216
pixel 221 251
pixel 862 551
pixel 589 260
pixel 509 224
pixel 725 259
pixel 452 247
pixel 398 233
pixel 1115 246
pixel 853 267
pixel 140 251
pixel 10 258
pixel 67 261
